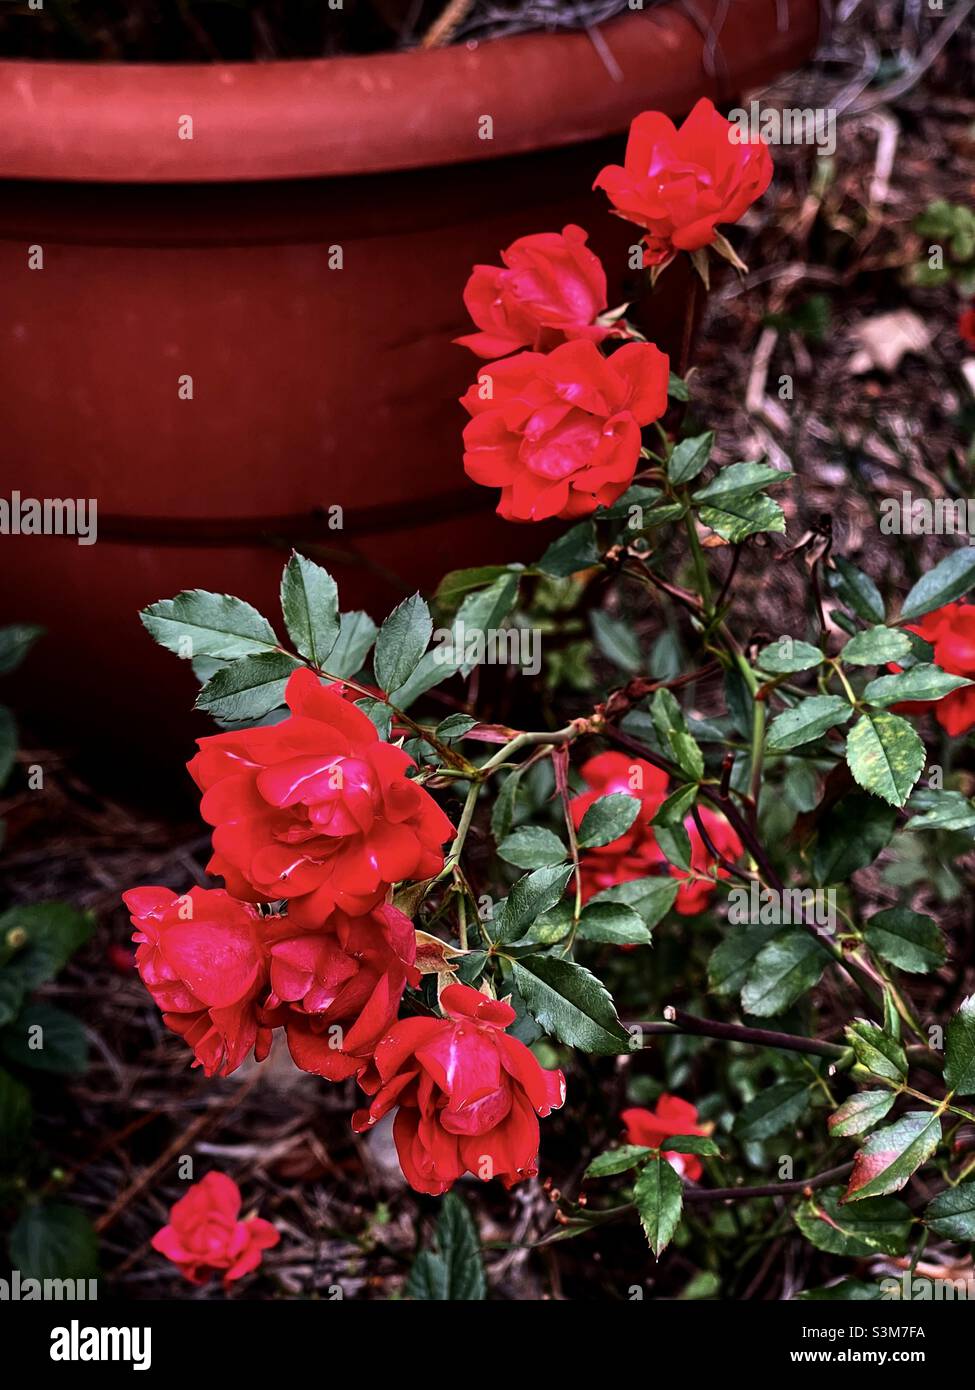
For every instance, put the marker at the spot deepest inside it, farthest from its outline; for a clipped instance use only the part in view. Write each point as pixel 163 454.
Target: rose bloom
pixel 679 184
pixel 201 959
pixel 559 434
pixel 205 1235
pixel 951 632
pixel 550 290
pixel 468 1094
pixel 652 1129
pixel 337 991
pixel 636 853
pixel 316 809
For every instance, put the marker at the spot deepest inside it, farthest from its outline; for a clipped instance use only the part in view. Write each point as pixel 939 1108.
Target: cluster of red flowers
pixel 318 814
pixel 557 427
pixel 951 632
pixel 636 854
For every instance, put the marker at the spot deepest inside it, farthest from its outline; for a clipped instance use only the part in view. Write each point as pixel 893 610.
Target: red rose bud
pixel 636 853
pixel 468 1094
pixel 680 184
pixel 560 434
pixel 205 1235
pixel 316 809
pixel 337 991
pixel 200 957
pixel 652 1129
pixel 951 632
pixel 551 289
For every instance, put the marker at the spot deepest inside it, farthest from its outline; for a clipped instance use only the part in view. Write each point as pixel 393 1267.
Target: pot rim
pixel 322 117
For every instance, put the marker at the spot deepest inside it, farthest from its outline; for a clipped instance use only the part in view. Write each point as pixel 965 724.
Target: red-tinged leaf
pixel 890 1155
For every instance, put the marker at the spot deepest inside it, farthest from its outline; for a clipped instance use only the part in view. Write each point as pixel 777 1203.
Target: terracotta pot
pixel 312 387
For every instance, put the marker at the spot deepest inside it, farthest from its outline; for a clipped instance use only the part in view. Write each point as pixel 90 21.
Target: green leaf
pixel 846 1291
pixel 738 518
pixel 889 1157
pixel 788 655
pixel 690 457
pixel 247 689
pixel 44 1038
pixel 12 993
pixel 885 756
pixel 650 898
pixel 357 632
pixel 659 1196
pixel 858 828
pixel 454 727
pixel 15 1117
pixel 876 646
pixel 15 642
pixel 949 580
pixel 951 1215
pixel 943 810
pixel 576 550
pixel 621 1160
pixel 771 1111
pixel 878 1226
pixel 876 1051
pixel 810 719
pixel 198 623
pixel 617 641
pixel 739 480
pixel 613 923
pixel 677 388
pixel 908 940
pixel 455 586
pixel 960 1050
pixel 570 1004
pixel 732 960
pixel 607 819
pixel 529 898
pixel 860 1113
pixel 484 612
pixel 856 589
pixel 54 931
pixel 310 604
pixel 783 971
pixel 503 810
pixel 692 1144
pixel 532 847
pixel 674 842
pixel 922 682
pixel 54 1241
pixel 454 1272
pixel 401 643
pixel 671 727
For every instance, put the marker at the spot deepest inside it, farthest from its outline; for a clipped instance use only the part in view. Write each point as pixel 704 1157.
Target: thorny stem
pixel 678 1022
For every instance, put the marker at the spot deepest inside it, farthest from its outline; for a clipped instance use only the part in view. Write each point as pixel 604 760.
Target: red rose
pixel 337 991
pixel 551 290
pixel 200 957
pixel 205 1235
pixel 560 434
pixel 636 853
pixel 966 325
pixel 951 632
pixel 468 1094
pixel 652 1129
pixel 316 809
pixel 679 184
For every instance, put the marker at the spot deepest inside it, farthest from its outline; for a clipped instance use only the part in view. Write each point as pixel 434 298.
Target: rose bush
pixel 425 895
